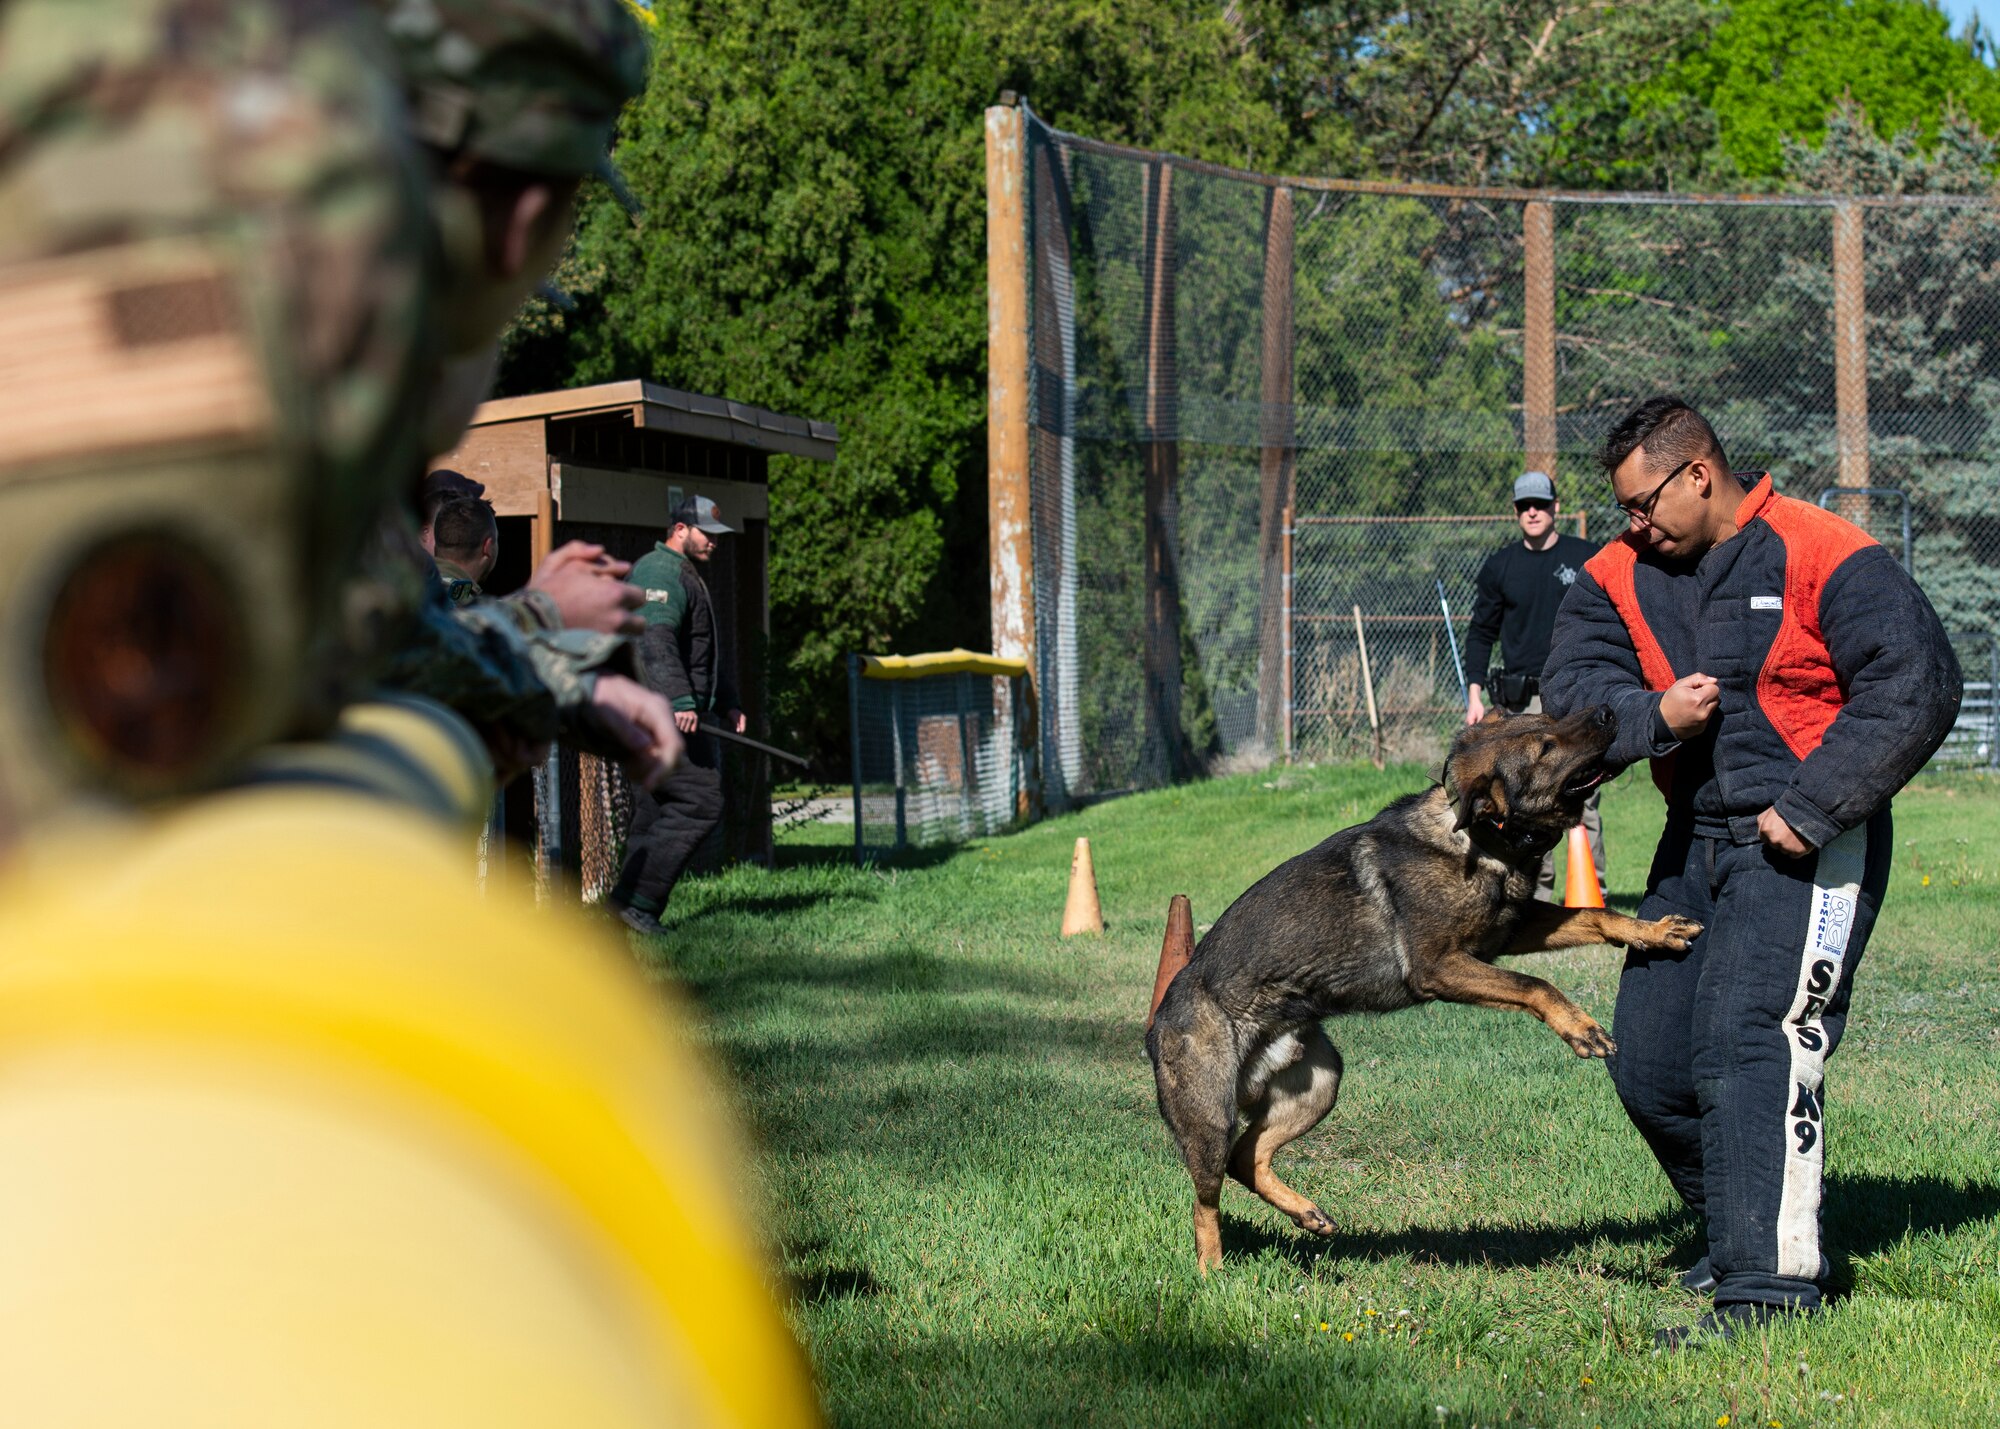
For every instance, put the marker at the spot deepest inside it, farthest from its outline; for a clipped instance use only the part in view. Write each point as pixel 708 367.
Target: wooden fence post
pixel 1009 505
pixel 1850 353
pixel 1538 356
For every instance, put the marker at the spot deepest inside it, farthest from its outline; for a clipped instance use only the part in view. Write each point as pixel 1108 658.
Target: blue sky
pixel 1987 10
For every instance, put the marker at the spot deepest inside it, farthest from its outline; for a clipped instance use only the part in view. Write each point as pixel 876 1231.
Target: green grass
pixel 986 1223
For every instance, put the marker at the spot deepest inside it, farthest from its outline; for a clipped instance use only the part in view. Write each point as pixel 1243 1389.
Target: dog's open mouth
pixel 1583 781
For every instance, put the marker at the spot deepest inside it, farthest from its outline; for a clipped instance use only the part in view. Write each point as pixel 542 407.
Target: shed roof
pixel 667 409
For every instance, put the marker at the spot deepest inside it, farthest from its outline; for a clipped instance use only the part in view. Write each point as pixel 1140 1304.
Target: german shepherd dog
pixel 1412 906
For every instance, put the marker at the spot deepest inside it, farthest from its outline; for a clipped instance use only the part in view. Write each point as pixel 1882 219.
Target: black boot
pixel 637 919
pixel 1724 1322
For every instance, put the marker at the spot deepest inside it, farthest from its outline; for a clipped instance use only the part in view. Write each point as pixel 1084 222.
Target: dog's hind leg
pixel 1294 1100
pixel 1194 1070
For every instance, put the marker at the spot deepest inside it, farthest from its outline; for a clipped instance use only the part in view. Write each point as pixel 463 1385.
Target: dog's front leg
pixel 1545 926
pixel 1460 977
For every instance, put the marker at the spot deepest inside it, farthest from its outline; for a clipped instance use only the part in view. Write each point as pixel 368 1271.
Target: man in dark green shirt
pixel 682 654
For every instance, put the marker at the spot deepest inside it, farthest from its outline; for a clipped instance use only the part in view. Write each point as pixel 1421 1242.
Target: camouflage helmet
pixel 531 85
pixel 214 274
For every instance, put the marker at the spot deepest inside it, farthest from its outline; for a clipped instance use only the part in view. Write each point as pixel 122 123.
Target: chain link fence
pixel 1258 405
pixel 938 749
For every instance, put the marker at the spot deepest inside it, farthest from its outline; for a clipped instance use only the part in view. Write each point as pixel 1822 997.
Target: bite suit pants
pixel 1722 1049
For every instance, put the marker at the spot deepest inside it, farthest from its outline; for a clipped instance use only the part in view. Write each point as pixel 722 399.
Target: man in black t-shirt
pixel 1520 588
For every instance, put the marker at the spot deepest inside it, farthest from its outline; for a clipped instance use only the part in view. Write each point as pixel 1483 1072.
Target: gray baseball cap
pixel 1534 486
pixel 700 513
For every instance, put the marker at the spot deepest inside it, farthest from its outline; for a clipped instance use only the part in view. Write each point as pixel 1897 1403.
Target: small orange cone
pixel 1082 913
pixel 1580 888
pixel 1175 950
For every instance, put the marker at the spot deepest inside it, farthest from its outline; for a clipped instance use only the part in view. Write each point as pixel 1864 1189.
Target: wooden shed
pixel 607 464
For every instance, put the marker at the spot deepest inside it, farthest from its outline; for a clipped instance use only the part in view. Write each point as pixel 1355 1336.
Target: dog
pixel 1412 906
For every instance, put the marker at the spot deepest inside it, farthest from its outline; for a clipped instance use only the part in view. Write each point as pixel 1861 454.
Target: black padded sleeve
pixel 1903 687
pixel 1592 662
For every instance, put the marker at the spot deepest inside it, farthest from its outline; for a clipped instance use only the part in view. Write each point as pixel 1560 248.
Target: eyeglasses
pixel 1640 513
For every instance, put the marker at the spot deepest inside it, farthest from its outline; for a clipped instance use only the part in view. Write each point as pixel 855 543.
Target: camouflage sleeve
pixel 475 663
pixel 534 611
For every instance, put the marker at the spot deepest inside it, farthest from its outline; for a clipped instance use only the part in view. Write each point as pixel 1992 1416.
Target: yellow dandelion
pixel 1927 880
pixel 1588 1380
pixel 1347 1334
pixel 1722 1421
pixel 1368 1312
pixel 1324 1327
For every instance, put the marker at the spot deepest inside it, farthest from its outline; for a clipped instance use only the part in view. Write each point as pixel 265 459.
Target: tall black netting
pixel 1274 425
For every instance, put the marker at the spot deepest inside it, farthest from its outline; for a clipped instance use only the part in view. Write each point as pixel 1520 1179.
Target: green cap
pixel 215 271
pixel 533 85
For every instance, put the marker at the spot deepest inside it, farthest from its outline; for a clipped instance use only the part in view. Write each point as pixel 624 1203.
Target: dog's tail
pixel 1175 950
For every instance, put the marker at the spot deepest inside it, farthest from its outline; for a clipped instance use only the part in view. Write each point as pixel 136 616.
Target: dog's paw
pixel 1587 1039
pixel 1672 933
pixel 1313 1219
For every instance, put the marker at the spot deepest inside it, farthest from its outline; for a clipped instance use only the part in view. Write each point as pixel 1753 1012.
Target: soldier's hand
pixel 1475 707
pixel 1688 703
pixel 513 755
pixel 645 723
pixel 589 589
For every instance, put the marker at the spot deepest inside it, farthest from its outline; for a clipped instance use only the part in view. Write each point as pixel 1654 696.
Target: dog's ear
pixel 1471 803
pixel 1481 795
pixel 1494 715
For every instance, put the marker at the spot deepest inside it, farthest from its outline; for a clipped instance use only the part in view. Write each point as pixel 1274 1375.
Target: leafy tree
pixel 1774 70
pixel 1933 301
pixel 814 241
pixel 1488 91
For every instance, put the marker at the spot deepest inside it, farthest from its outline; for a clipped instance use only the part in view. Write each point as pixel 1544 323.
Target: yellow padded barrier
pixel 300 1128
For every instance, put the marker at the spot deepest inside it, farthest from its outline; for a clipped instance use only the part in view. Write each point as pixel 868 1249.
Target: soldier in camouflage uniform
pixel 295 1126
pixel 517 101
pixel 466 541
pixel 131 320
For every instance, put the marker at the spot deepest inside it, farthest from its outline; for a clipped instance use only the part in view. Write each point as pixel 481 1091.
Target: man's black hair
pixel 441 486
pixel 463 525
pixel 1671 432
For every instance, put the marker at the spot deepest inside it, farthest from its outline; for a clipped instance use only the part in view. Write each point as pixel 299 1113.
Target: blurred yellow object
pixel 298 1128
pixel 940 662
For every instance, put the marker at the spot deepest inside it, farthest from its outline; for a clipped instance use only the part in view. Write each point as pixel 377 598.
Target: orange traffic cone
pixel 1175 950
pixel 1082 913
pixel 1580 887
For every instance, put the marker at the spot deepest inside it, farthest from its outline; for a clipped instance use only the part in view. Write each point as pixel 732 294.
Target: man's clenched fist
pixel 1687 704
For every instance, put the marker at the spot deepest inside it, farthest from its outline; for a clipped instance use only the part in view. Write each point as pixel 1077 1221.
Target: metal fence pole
pixel 1162 561
pixel 1285 595
pixel 896 753
pixel 1052 453
pixel 1276 464
pixel 1850 349
pixel 854 743
pixel 968 778
pixel 1993 700
pixel 1538 357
